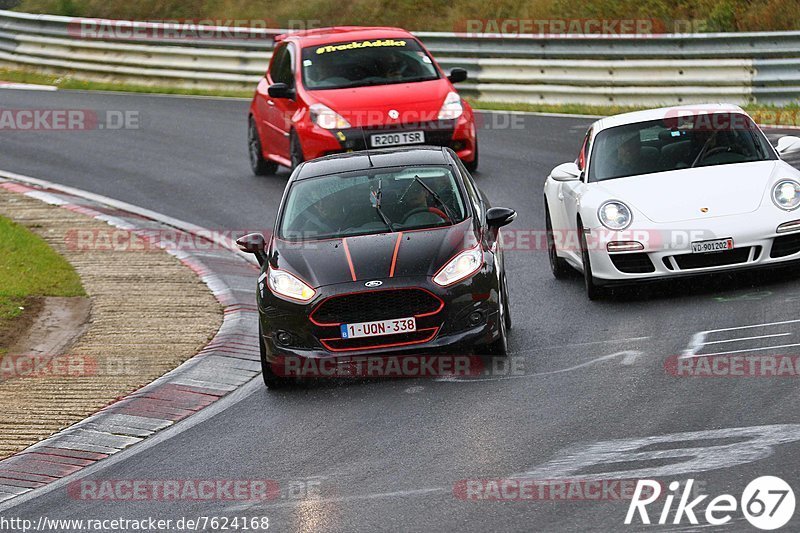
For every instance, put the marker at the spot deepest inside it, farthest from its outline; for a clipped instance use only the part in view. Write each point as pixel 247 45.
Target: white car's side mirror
pixel 568 172
pixel 788 145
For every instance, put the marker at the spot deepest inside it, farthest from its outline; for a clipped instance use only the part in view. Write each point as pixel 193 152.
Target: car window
pixel 584 153
pixel 366 62
pixel 362 203
pixel 472 192
pixel 676 143
pixel 281 68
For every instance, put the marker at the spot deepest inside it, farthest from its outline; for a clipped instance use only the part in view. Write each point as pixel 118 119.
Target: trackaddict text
pixel 767 503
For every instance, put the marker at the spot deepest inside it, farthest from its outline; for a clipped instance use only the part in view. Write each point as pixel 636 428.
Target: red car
pixel 342 89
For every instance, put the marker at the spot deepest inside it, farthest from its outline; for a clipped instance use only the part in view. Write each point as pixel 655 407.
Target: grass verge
pixel 30 268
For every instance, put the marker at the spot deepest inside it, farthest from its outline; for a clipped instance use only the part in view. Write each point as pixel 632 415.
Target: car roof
pixel 337 34
pixel 664 112
pixel 363 160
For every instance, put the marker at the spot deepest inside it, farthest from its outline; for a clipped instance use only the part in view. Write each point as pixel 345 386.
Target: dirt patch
pixel 149 313
pixel 11 330
pixel 58 324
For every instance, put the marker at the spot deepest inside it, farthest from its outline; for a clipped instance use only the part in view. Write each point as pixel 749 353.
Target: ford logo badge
pixel 375 283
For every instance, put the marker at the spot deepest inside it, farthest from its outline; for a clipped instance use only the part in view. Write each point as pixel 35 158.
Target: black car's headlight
pixel 285 284
pixel 460 267
pixel 786 194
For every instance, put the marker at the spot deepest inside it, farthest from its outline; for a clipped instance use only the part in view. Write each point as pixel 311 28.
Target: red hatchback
pixel 342 89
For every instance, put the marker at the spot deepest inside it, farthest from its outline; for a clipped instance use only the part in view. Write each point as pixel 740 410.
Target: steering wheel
pixel 436 211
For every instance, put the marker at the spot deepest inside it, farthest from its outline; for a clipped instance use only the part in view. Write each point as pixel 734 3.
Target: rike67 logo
pixel 768 503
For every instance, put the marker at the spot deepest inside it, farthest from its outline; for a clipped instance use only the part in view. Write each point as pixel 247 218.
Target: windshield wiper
pixel 436 198
pixel 378 195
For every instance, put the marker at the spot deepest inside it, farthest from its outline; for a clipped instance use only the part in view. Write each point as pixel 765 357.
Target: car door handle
pixel 270 102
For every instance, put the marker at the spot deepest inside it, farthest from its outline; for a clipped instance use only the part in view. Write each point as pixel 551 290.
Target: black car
pixel 383 252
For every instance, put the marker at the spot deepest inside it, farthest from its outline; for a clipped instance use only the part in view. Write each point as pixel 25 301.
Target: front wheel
pixel 472 166
pixel 295 150
pixel 499 348
pixel 558 266
pixel 258 164
pixel 271 379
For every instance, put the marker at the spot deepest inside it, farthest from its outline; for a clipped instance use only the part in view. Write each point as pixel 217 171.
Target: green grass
pixel 29 267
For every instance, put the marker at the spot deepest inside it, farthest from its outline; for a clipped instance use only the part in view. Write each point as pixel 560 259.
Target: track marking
pixel 748 338
pixel 574 345
pixel 699 340
pixel 743 351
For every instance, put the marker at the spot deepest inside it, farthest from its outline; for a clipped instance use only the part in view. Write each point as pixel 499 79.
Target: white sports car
pixel 672 192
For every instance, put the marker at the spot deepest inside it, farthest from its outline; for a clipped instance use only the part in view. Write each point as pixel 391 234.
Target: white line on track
pixel 699 341
pixel 575 345
pixel 740 339
pixel 743 351
pixel 26 86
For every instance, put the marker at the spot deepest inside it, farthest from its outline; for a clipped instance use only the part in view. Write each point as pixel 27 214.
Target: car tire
pixel 472 166
pixel 258 164
pixel 509 322
pixel 499 348
pixel 593 290
pixel 295 150
pixel 271 379
pixel 558 265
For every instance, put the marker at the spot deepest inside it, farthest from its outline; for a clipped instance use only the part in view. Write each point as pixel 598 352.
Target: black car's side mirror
pixel 457 75
pixel 280 90
pixel 253 243
pixel 497 217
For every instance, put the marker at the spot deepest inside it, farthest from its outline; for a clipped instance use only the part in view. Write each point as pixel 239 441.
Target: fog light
pixel 625 246
pixel 284 338
pixel 786 227
pixel 475 318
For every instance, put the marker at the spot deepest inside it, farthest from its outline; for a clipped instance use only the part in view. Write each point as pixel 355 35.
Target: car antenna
pixel 366 147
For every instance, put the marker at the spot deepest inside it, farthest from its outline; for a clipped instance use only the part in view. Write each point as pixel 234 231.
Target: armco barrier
pixel 581 69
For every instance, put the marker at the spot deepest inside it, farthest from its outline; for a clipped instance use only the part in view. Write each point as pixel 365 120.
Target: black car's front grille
pixel 715 259
pixel 785 245
pixel 638 263
pixel 376 305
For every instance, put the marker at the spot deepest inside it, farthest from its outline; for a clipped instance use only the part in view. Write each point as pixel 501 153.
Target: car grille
pixel 785 245
pixel 715 259
pixel 369 306
pixel 633 263
pixel 387 341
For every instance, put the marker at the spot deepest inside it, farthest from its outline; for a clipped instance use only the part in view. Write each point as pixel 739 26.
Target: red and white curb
pixel 228 362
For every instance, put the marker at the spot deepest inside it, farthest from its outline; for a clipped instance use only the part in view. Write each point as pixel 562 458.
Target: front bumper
pixel 458 134
pixel 447 330
pixel 668 253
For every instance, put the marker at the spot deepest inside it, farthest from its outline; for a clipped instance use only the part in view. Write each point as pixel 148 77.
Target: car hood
pixel 418 253
pixel 680 195
pixel 369 106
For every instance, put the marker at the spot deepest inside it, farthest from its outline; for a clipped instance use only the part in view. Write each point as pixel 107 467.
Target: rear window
pixel 366 62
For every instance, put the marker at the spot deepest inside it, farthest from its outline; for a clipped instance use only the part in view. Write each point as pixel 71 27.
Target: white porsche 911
pixel 673 192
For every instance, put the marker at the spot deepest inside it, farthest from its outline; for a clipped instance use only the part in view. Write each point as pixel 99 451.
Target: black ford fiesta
pixel 384 252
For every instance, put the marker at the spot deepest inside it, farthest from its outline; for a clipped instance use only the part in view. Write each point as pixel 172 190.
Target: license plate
pixel 378 328
pixel 401 137
pixel 719 245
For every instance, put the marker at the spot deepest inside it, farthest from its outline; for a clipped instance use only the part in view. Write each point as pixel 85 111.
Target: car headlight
pixel 452 108
pixel 786 194
pixel 460 267
pixel 325 117
pixel 615 215
pixel 285 284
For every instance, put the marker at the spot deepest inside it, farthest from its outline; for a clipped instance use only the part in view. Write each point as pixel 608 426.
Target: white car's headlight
pixel 786 194
pixel 460 267
pixel 615 215
pixel 452 108
pixel 325 117
pixel 285 284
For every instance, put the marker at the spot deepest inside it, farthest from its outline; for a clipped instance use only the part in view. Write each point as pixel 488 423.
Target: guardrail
pixel 582 69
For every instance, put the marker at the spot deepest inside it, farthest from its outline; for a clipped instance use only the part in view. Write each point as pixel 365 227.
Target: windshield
pixel 677 143
pixel 380 201
pixel 370 62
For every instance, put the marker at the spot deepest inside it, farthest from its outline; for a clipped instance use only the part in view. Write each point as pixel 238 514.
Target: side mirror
pixel 280 90
pixel 253 243
pixel 788 145
pixel 497 217
pixel 566 172
pixel 457 75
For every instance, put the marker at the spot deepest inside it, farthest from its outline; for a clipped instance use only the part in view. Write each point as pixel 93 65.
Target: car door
pixel 272 110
